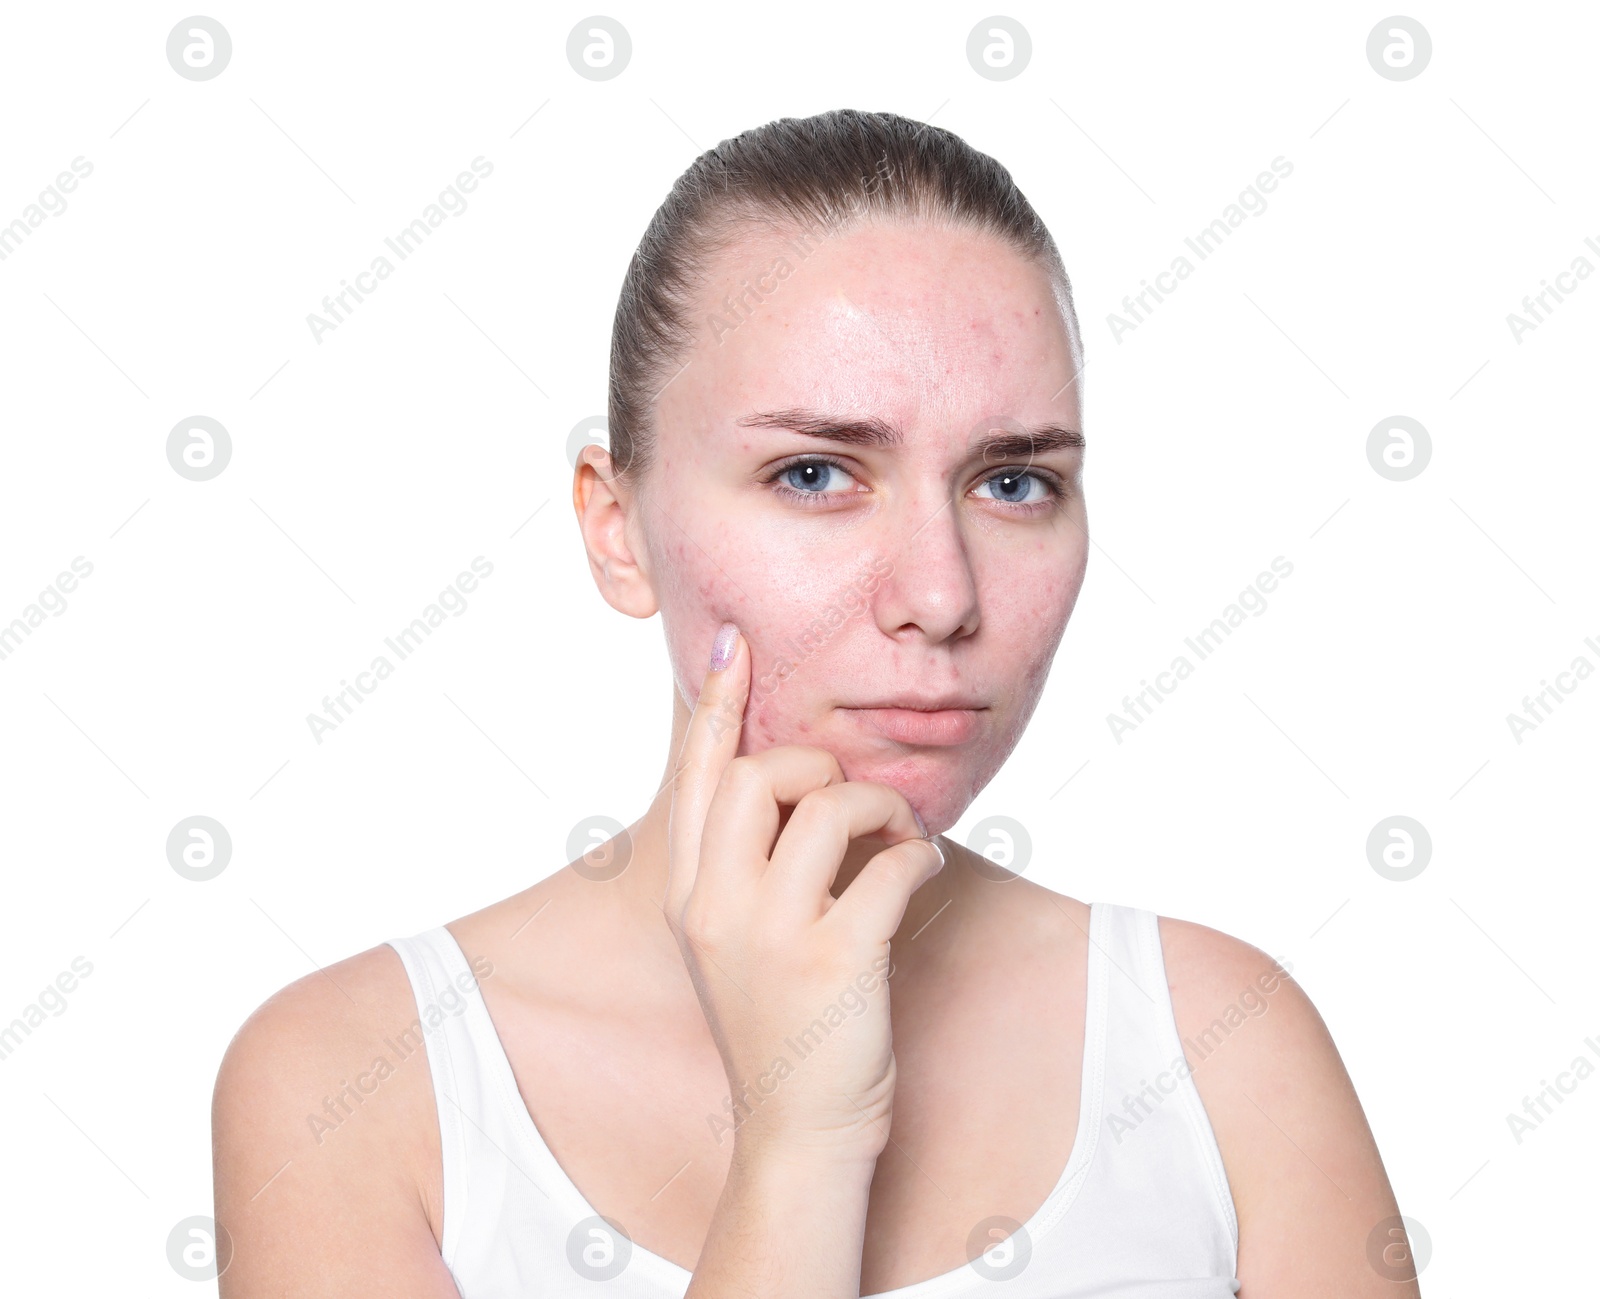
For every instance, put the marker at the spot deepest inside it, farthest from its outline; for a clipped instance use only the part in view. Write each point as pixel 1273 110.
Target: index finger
pixel 709 745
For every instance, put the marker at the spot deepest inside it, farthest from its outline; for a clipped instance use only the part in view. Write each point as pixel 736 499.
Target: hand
pixel 793 982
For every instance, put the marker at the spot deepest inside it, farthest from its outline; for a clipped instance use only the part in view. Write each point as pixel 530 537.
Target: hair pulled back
pixel 818 175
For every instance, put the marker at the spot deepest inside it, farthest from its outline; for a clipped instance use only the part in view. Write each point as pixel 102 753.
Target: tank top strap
pixel 448 1003
pixel 1151 1101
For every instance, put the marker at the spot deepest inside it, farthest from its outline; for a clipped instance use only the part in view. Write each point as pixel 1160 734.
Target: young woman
pixel 845 467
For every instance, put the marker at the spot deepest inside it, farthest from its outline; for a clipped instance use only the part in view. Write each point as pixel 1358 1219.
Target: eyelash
pixel 1051 482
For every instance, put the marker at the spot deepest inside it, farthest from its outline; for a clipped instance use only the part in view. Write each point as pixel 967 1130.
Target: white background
pixel 431 426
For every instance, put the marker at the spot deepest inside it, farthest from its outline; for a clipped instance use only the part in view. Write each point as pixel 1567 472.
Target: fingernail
pixel 922 826
pixel 722 647
pixel 938 850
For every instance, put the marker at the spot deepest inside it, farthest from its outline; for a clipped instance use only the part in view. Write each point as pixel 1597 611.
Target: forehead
pixel 919 324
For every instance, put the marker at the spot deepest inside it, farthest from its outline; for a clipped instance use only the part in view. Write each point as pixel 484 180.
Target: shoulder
pixel 1307 1180
pixel 325 998
pixel 325 1018
pixel 317 1118
pixel 1214 977
pixel 1253 1039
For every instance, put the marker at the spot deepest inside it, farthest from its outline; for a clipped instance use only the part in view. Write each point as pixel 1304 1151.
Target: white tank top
pixel 1142 1210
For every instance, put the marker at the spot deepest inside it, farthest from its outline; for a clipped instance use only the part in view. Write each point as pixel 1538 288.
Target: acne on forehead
pixel 911 323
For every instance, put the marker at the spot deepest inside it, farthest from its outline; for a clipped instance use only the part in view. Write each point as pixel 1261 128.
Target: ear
pixel 606 508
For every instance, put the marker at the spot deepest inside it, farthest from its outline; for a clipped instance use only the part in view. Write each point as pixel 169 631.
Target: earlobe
pixel 605 508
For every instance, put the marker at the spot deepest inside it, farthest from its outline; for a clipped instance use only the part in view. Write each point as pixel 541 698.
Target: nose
pixel 931 587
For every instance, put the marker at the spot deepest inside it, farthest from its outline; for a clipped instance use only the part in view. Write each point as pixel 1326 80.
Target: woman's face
pixel 822 481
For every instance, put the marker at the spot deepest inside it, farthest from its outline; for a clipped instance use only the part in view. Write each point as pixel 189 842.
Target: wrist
pixel 804 1157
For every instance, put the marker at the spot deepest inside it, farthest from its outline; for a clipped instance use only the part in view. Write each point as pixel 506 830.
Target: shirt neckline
pixel 1048 1214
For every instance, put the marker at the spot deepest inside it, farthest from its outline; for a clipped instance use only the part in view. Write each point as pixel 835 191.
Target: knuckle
pixel 824 798
pixel 699 927
pixel 772 934
pixel 813 755
pixel 827 808
pixel 831 761
pixel 883 792
pixel 742 776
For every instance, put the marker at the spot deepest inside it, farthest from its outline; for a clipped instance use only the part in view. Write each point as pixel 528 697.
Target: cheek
pixel 761 724
pixel 716 582
pixel 694 600
pixel 1033 601
pixel 1033 612
pixel 783 689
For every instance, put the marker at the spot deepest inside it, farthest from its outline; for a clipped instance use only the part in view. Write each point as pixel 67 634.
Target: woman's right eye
pixel 813 477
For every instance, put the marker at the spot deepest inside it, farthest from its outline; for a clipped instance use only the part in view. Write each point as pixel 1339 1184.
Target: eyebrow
pixel 1003 443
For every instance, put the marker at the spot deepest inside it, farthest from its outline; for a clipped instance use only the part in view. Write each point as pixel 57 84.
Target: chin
pixel 939 781
pixel 934 781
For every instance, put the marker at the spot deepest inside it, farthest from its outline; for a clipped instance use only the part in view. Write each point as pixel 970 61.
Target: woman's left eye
pixel 1013 486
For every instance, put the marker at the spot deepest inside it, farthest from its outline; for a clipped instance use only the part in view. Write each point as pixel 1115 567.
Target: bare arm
pixel 337 1216
pixel 1314 1203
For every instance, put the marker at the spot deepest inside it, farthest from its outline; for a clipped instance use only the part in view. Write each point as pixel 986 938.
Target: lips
pixel 921 726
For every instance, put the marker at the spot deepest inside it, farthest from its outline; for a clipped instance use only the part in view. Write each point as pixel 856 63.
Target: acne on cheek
pixel 770 718
pixel 707 587
pixel 758 725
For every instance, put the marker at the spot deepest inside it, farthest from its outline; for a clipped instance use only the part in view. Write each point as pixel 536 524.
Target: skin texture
pixel 932 331
pixel 940 333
